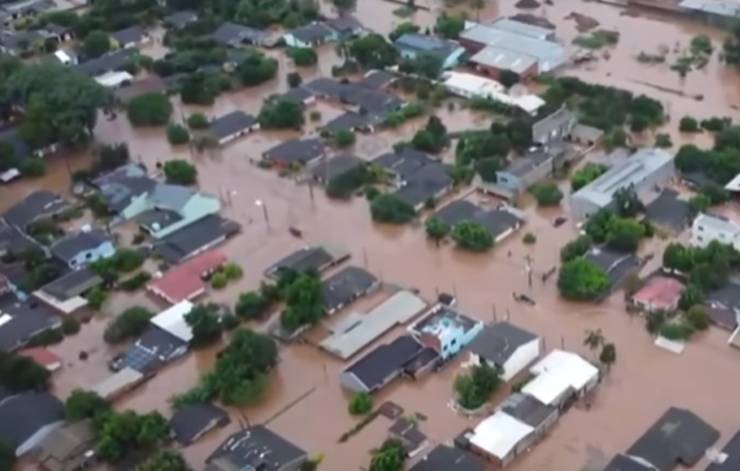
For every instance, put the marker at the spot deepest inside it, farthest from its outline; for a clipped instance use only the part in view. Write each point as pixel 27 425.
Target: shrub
pixel 315 116
pixel 344 138
pixel 663 141
pixel 177 134
pixel 219 280
pixel 698 317
pixel 472 236
pixel 281 114
pixel 232 271
pixel 131 323
pixel 688 124
pixel 361 403
pixel 529 238
pixel 135 282
pixel 547 194
pixel 303 56
pixel 251 305
pixel 32 167
pixel 390 209
pixel 229 321
pixel 476 387
pixel 96 297
pixel 150 109
pixel 180 172
pixel 575 248
pixel 197 121
pixel 676 331
pixel 70 326
pixel 294 79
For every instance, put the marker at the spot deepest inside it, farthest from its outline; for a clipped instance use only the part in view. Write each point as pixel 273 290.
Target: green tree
pixel 547 194
pixel 200 88
pixel 303 56
pixel 508 78
pixel 373 52
pixel 150 109
pixel 436 229
pixel 84 405
pixel 529 238
pixel 256 69
pixel 19 374
pixel 164 460
pixel 688 124
pixel 96 44
pixel 585 175
pixel 96 297
pixel 303 302
pixel 131 323
pixel 433 138
pixel 344 138
pixel 627 203
pixel 476 145
pixel 475 388
pixel 205 324
pixel 425 64
pixel 389 208
pixel 608 354
pixel 582 280
pixel 690 296
pixel 472 236
pixel 663 141
pixel 294 79
pixel 180 172
pixel 678 257
pixel 625 234
pixel 598 225
pixel 177 134
pixel 404 28
pixel 576 248
pixel 197 121
pixel 698 317
pixel 344 5
pixel 488 168
pixel 7 457
pixel 281 114
pixel 390 457
pixel 449 26
pixel 121 433
pixel 361 403
pixel 690 158
pixel 251 305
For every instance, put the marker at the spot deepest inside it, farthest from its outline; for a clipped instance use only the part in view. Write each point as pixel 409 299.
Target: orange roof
pixel 41 356
pixel 185 281
pixel 660 292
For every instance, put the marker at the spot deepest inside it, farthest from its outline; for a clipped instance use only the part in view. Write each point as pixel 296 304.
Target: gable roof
pixel 231 123
pixel 19 321
pixel 345 285
pixel 22 415
pixel 257 447
pixel 232 34
pixel 172 320
pixel 527 409
pixel 337 165
pixel 312 32
pixel 445 458
pixel 679 436
pixel 670 211
pixel 731 451
pixel 37 205
pixel 132 34
pixel 198 236
pixel 383 361
pixel 626 463
pixel 315 257
pixel 497 342
pixel 109 62
pixel 300 151
pixel 185 281
pixel 426 43
pixel 190 422
pixel 70 246
pixel 499 434
pixel 66 447
pixel 181 19
pixel 558 372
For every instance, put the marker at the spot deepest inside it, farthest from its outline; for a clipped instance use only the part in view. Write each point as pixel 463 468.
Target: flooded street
pixel 305 402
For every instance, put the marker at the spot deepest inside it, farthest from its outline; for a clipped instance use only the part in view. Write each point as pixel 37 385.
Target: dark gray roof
pixel 404 163
pixel 527 409
pixel 74 283
pixel 111 61
pixel 18 41
pixel 315 32
pixel 523 165
pixel 181 19
pixel 384 361
pixel 497 342
pixel 39 204
pixel 308 258
pixel 232 34
pixel 299 151
pixel 345 285
pixel 378 79
pixel 424 184
pixel 121 185
pixel 732 450
pixel 22 415
pixel 347 121
pixel 625 463
pixel 153 349
pixel 297 95
pixel 497 221
pixel 151 84
pixel 27 319
pixel 70 246
pixel 426 43
pixel 345 24
pixel 335 166
pixel 369 100
pixel 678 437
pixel 256 448
pixel 445 458
pixel 231 123
pixel 132 34
pixel 669 211
pixel 615 264
pixel 408 431
pixel 195 237
pixel 190 422
pixel 13 240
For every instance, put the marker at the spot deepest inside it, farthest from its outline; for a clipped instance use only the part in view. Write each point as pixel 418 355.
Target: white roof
pixel 465 84
pixel 524 29
pixel 499 434
pixel 556 373
pixel 63 57
pixel 503 59
pixel 113 79
pixel 117 382
pixel 734 184
pixel 716 224
pixel 172 320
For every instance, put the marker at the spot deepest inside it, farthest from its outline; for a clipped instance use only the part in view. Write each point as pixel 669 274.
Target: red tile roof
pixel 660 292
pixel 185 281
pixel 42 357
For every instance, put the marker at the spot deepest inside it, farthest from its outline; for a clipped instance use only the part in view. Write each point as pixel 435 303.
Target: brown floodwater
pixel 305 401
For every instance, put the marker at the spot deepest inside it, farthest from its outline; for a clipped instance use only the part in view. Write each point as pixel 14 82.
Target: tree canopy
pixel 150 109
pixel 164 460
pixel 373 52
pixel 433 138
pixel 18 373
pixel 131 323
pixel 582 280
pixel 256 69
pixel 205 324
pixel 304 302
pixel 476 387
pixel 96 44
pixel 585 175
pixel 390 457
pixel 281 114
pixel 389 208
pixel 472 236
pixel 82 404
pixel 119 434
pixel 449 26
pixel 180 172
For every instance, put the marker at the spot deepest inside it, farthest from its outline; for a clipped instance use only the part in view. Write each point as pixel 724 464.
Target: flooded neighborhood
pixel 379 235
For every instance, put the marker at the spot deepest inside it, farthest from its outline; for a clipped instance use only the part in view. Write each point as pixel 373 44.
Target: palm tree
pixel 594 339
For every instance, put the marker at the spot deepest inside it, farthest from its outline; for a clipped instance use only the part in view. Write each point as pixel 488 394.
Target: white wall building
pixel 707 228
pixel 561 376
pixel 506 347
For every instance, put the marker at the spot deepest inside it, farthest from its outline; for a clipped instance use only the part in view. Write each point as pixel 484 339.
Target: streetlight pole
pixel 264 211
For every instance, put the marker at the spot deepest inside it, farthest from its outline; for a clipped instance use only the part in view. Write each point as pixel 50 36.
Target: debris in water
pixel 583 22
pixel 527 4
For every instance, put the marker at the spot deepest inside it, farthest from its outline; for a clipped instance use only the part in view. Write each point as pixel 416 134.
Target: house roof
pixel 497 221
pixel 499 434
pixel 298 151
pixel 65 447
pixel 524 29
pixel 67 248
pixel 347 121
pixel 626 463
pixel 12 137
pixel 151 84
pixel 669 211
pixel 312 32
pixel 230 124
pixel 125 378
pixel 123 183
pixel 345 24
pixel 200 235
pixel 378 79
pixel 496 343
pixel 504 59
pixel 426 43
pixel 726 8
pixel 38 204
pixel 181 19
pixel 678 437
pixel 441 319
pixel 155 348
pixel 445 458
pixel 408 431
pixel 383 361
pixel 345 285
pixel 185 281
pixel 335 166
pixel 615 264
pixel 527 409
pixel 661 292
pixel 132 34
pixel 232 34
pixel 404 162
pixel 42 357
pixel 297 95
pixel 731 454
pixel 111 61
pixel 189 422
pixel 558 372
pixel 315 257
pixel 173 197
pixel 424 184
pixel 717 224
pixel 172 320
pixel 359 330
pixel 19 321
pixel 22 415
pixel 257 447
pixel 370 100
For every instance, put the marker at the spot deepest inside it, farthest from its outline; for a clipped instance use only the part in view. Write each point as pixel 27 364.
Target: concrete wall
pixel 524 356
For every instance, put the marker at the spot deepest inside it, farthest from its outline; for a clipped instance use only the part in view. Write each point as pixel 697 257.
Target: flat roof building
pixel 500 437
pixel 559 377
pixel 446 331
pixel 710 227
pixel 257 448
pixel 645 169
